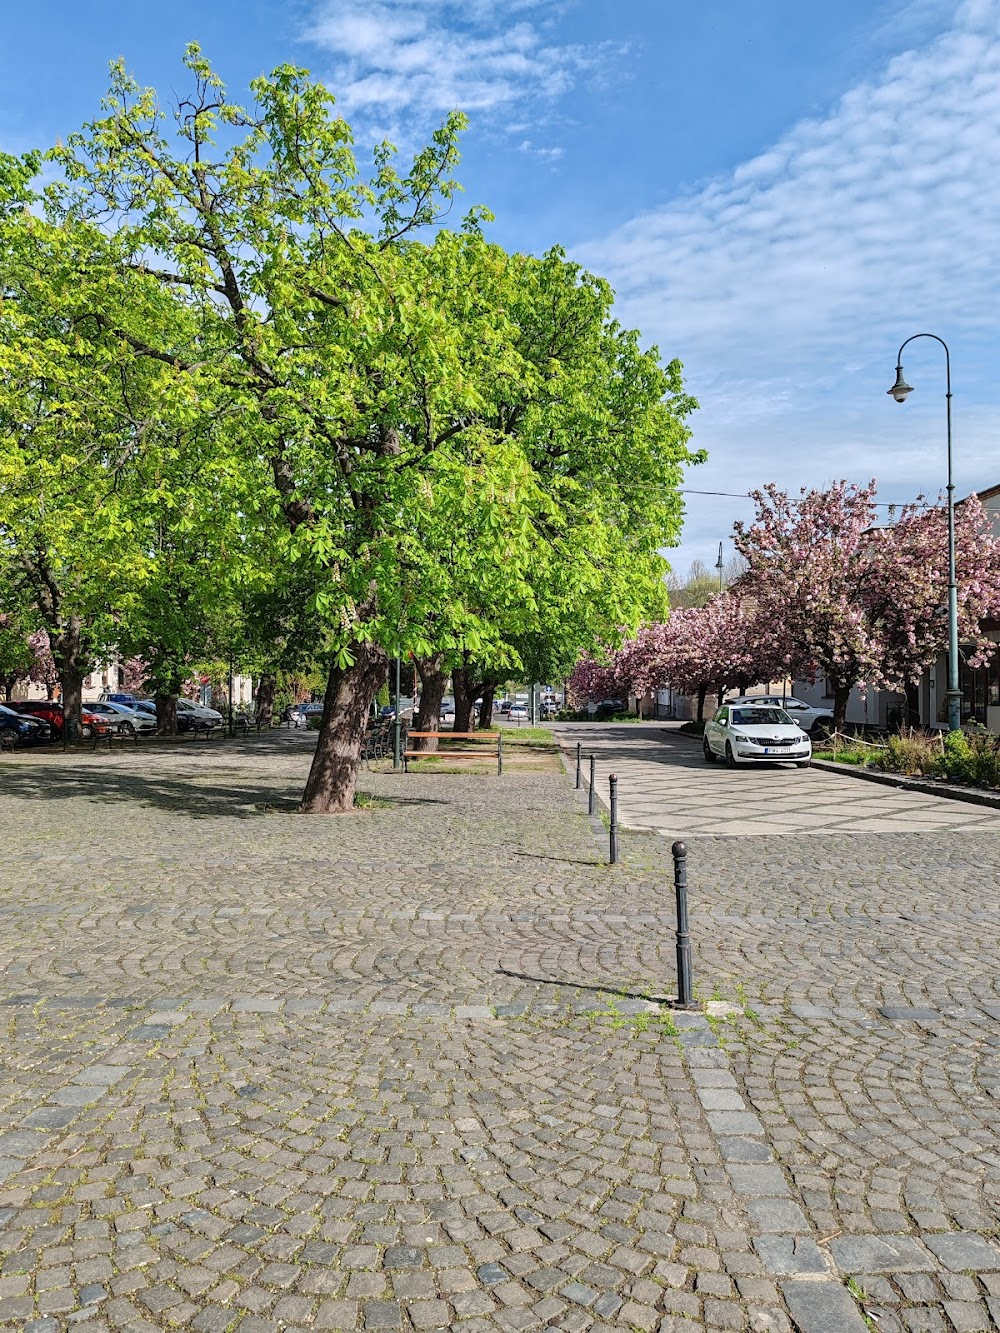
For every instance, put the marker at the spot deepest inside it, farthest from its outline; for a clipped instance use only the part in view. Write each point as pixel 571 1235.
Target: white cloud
pixel 787 285
pixel 422 58
pixel 546 154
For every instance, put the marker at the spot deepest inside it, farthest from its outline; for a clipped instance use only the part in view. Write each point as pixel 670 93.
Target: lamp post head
pixel 900 389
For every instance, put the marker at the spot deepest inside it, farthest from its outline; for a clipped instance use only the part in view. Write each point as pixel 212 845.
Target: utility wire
pixel 745 495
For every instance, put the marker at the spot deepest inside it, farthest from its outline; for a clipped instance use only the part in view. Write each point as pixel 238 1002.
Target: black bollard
pixel 613 782
pixel 684 982
pixel 578 746
pixel 590 794
pixel 499 754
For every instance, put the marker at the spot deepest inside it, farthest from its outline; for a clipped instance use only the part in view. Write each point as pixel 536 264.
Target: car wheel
pixel 86 731
pixel 730 757
pixel 128 728
pixel 708 752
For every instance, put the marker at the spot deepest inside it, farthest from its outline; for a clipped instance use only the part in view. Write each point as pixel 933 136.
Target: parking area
pixel 665 787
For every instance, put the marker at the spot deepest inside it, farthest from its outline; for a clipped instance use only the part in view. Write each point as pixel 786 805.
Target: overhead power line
pixel 745 495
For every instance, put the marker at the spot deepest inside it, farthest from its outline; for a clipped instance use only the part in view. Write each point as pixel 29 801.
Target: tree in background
pixel 16 653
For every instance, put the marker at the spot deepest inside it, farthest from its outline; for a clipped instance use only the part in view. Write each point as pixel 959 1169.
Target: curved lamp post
pixel 899 391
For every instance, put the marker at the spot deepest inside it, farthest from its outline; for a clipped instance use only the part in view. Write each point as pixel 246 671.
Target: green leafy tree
pixel 75 403
pixel 416 421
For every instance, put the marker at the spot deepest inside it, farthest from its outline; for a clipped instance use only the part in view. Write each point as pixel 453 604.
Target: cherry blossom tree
pixel 133 675
pixel 594 677
pixel 866 604
pixel 909 603
pixel 43 669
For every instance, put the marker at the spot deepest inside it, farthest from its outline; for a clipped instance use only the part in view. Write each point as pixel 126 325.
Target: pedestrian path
pixel 666 787
pixel 412 1069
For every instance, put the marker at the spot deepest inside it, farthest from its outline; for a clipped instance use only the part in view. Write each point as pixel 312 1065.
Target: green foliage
pixel 972 756
pixel 911 751
pixel 253 408
pixel 957 760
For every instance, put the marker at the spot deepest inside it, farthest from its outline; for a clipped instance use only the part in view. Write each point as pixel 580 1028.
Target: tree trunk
pixel 912 706
pixel 841 694
pixel 486 707
pixel 266 687
pixel 166 714
pixel 432 680
pixel 702 691
pixel 466 690
pixel 67 653
pixel 346 709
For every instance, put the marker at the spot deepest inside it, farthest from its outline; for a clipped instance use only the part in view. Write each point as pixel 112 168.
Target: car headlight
pixel 743 740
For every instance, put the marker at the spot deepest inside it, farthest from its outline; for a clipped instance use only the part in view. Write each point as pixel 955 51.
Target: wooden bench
pixel 121 734
pixel 477 752
pixel 209 731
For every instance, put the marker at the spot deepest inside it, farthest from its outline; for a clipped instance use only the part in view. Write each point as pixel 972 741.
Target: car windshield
pixel 767 717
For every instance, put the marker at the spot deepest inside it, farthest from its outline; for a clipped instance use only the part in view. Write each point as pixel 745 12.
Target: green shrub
pixel 911 751
pixel 956 760
pixel 973 756
pixel 313 721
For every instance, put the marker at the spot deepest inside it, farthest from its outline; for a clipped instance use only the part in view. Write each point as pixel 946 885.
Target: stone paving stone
pixel 964 1252
pixel 785 1256
pixel 880 1254
pixel 822 1307
pixel 346 1077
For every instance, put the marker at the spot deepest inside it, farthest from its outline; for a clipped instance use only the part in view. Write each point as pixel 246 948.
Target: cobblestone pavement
pixel 406 1069
pixel 666 787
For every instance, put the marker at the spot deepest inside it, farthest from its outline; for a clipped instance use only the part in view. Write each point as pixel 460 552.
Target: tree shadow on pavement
pixel 106 785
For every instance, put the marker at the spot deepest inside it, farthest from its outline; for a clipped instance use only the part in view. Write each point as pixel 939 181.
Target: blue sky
pixel 779 192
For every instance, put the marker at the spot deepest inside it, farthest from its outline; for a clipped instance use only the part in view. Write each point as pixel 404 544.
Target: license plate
pixel 773 751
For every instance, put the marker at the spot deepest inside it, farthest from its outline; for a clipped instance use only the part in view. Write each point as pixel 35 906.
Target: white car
pixel 518 712
pixel 755 733
pixel 805 715
pixel 129 718
pixel 200 711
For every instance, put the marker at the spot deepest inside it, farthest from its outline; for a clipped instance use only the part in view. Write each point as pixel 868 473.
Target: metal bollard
pixel 593 775
pixel 613 782
pixel 684 983
pixel 499 754
pixel 578 748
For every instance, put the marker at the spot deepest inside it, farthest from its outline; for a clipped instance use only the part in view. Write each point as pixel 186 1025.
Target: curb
pixel 969 795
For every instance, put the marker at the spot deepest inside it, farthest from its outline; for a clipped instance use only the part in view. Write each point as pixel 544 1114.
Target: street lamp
pixel 720 566
pixel 899 391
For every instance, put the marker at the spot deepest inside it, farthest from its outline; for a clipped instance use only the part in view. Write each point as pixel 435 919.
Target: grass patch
pixel 842 757
pixel 530 736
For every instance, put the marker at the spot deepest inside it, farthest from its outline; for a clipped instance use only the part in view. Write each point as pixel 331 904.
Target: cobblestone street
pixel 407 1069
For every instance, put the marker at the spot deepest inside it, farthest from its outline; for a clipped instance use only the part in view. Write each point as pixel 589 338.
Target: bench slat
pixel 457 735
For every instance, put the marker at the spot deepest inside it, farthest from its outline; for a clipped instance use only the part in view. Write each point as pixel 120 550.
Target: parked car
pixel 209 716
pixel 26 730
pixel 131 719
pixel 751 733
pixel 147 708
pixel 129 700
pixel 51 711
pixel 807 716
pixel 517 712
